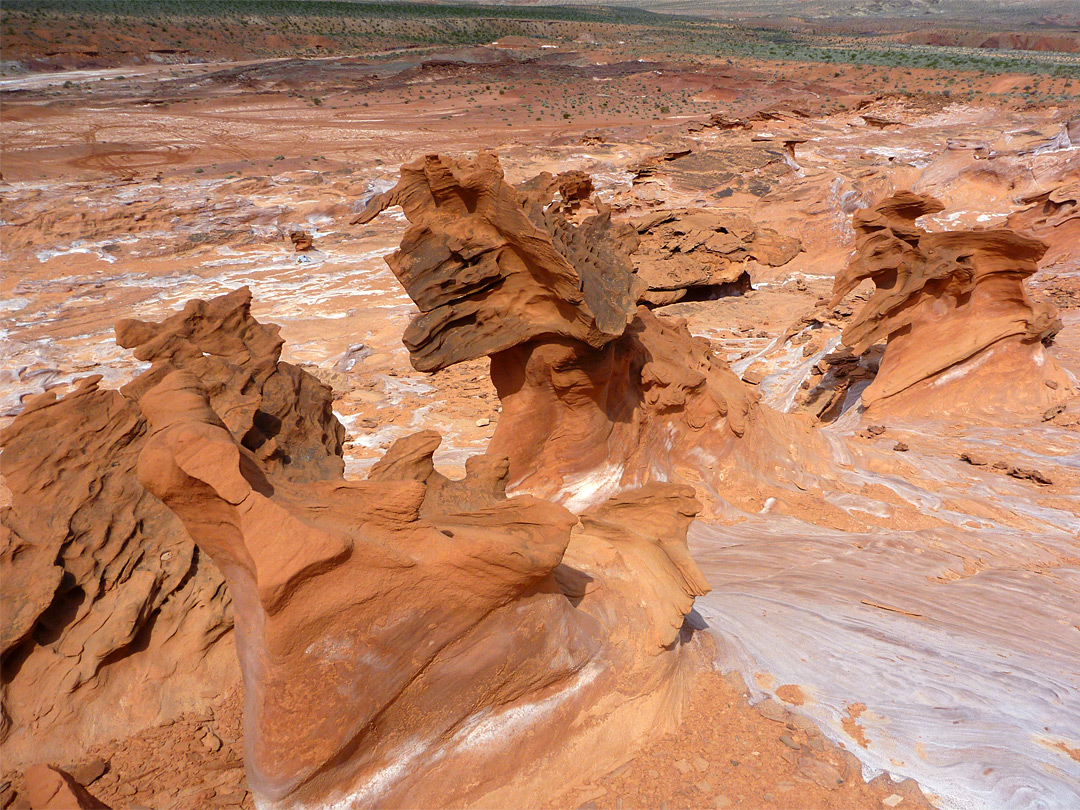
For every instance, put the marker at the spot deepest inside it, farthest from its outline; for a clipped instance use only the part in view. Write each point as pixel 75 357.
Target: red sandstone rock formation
pixel 724 121
pixel 1053 217
pixel 50 788
pixel 484 264
pixel 575 186
pixel 400 648
pixel 280 412
pixel 700 254
pixel 410 459
pixel 96 571
pixel 406 640
pixel 597 395
pixel 719 171
pixel 962 333
pixel 301 240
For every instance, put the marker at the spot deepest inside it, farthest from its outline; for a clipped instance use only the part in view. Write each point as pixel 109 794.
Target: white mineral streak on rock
pixel 592 488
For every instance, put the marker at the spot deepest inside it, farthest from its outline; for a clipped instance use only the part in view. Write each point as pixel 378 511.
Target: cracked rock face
pixel 953 308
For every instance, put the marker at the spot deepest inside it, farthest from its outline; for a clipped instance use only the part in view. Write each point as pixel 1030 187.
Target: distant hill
pixel 992 12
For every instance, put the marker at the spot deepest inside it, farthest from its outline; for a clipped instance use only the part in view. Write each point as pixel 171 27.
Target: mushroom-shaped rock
pixel 491 267
pixel 598 395
pixel 962 332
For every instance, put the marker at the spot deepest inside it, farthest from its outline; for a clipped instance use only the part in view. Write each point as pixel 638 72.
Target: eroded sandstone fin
pixel 367 626
pixel 410 459
pixel 647 527
pixel 95 569
pixel 413 613
pixel 334 576
pixel 1054 217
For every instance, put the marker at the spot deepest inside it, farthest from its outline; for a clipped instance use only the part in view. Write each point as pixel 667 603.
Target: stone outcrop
pixel 402 648
pixel 50 788
pixel 410 459
pixel 963 334
pixel 104 594
pixel 280 412
pixel 301 241
pixel 733 167
pixel 697 254
pixel 574 186
pixel 1053 217
pixel 598 395
pixel 490 267
pixel 725 121
pixel 581 424
pixel 103 591
pixel 405 640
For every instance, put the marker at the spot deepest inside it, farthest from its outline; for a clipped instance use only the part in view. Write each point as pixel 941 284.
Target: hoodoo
pixel 963 334
pixel 598 394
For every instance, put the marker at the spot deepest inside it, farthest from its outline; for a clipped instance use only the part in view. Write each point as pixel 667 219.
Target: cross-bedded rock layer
pixel 1054 217
pixel 490 267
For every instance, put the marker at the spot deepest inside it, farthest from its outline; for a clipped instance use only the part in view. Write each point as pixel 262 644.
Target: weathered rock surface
pixel 701 254
pixel 51 788
pixel 490 267
pixel 403 655
pixel 102 587
pixel 301 240
pixel 410 459
pixel 597 395
pixel 389 631
pixel 104 593
pixel 735 167
pixel 574 186
pixel 954 310
pixel 280 412
pixel 724 121
pixel 1053 217
pixel 582 424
